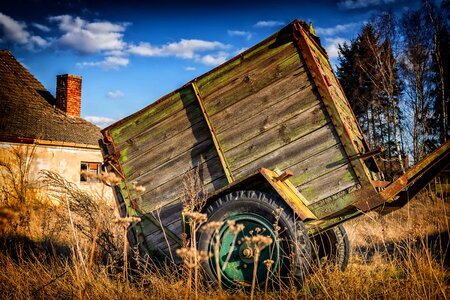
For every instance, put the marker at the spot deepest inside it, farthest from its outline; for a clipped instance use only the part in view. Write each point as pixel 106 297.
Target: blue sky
pixel 131 53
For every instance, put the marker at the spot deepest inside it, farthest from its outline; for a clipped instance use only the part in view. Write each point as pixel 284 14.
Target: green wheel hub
pixel 239 268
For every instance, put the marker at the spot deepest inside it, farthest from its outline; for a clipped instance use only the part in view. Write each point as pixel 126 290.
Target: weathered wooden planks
pixel 320 164
pixel 270 140
pixel 329 184
pixel 167 150
pixel 250 81
pixel 264 109
pixel 176 127
pixel 260 54
pixel 269 118
pixel 282 98
pixel 210 173
pixel 293 153
pixel 151 115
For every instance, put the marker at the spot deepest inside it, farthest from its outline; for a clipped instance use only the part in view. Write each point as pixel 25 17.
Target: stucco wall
pixel 65 161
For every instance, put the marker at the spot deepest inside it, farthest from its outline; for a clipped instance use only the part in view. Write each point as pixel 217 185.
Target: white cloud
pixel 261 24
pixel 41 27
pixel 116 53
pixel 245 34
pixel 336 29
pixel 37 40
pixel 190 69
pixel 354 4
pixel 101 122
pixel 109 62
pixel 332 46
pixel 15 32
pixel 182 49
pixel 89 37
pixel 213 59
pixel 115 94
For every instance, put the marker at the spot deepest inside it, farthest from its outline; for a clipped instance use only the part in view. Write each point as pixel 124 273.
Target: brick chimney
pixel 68 94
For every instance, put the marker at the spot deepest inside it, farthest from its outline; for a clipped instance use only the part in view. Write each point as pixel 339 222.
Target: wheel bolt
pixel 247 252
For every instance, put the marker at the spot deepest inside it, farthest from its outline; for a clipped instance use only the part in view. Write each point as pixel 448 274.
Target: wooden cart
pixel 269 129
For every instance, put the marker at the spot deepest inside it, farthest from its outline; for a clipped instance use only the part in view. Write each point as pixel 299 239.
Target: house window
pixel 89 171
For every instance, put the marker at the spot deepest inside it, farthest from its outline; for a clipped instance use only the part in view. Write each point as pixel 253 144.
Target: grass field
pixel 77 250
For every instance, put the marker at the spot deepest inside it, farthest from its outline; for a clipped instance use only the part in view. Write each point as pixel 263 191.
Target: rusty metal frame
pixel 410 183
pixel 420 173
pixel 219 149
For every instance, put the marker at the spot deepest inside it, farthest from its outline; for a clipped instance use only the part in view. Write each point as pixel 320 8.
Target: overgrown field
pixel 77 250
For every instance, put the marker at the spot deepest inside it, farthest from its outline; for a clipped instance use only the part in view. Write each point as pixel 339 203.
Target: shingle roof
pixel 27 109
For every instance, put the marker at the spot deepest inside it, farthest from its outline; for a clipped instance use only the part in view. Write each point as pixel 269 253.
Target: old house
pixel 31 118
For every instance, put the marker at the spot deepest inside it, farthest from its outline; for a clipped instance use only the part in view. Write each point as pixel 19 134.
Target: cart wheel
pixel 290 250
pixel 331 247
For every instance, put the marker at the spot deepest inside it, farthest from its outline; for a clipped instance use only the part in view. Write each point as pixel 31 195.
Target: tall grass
pixel 402 255
pixel 77 249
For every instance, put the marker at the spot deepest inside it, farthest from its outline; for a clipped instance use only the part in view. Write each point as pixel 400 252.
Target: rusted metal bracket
pixel 371 153
pixel 380 183
pixel 280 182
pixel 420 174
pixel 285 175
pixel 110 156
pixel 219 149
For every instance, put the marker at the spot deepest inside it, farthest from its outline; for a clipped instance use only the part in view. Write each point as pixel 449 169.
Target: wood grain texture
pixel 177 127
pixel 268 118
pixel 249 83
pixel 196 143
pixel 173 189
pixel 320 164
pixel 259 55
pixel 294 152
pixel 277 137
pixel 329 184
pixel 151 115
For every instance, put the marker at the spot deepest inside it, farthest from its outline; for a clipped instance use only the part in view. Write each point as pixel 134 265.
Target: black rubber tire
pixel 331 247
pixel 295 255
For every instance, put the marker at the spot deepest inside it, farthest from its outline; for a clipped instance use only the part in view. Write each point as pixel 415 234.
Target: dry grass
pixel 402 255
pixel 75 250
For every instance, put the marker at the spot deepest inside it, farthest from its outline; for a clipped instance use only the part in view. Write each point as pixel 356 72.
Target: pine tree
pixel 369 75
pixel 439 23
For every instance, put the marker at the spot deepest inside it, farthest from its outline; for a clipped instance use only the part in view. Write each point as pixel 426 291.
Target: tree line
pixel 395 74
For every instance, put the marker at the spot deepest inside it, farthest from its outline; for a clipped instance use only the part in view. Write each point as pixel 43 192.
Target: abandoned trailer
pixel 276 146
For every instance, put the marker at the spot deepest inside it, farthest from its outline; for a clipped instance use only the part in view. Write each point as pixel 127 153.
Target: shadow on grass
pixel 438 245
pixel 19 248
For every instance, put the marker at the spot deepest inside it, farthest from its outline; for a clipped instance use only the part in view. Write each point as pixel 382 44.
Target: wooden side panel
pixel 157 136
pixel 143 120
pixel 156 238
pixel 264 110
pixel 328 184
pixel 267 112
pixel 161 146
pixel 239 119
pixel 276 137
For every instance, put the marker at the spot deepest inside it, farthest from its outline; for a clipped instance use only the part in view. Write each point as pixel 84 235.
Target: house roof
pixel 27 109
